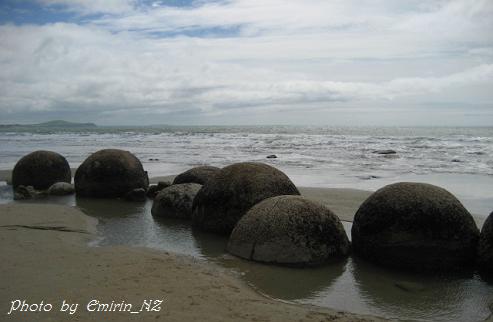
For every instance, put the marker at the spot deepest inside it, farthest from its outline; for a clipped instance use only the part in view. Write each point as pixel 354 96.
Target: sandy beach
pixel 46 257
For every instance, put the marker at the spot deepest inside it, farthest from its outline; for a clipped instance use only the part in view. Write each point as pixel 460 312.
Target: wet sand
pixel 45 257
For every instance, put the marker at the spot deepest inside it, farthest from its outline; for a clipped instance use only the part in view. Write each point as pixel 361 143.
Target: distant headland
pixel 51 124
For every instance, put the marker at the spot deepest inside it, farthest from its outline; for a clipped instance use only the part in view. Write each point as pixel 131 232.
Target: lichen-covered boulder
pixel 61 189
pixel 198 175
pixel 41 169
pixel 289 230
pixel 415 226
pixel 175 201
pixel 227 196
pixel 485 249
pixel 110 173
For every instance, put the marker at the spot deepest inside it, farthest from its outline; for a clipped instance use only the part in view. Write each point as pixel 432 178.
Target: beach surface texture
pixel 46 257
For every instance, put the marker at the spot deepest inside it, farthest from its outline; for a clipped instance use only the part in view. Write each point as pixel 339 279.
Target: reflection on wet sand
pixel 212 246
pixel 120 222
pixel 448 296
pixel 276 281
pixel 284 282
pixel 107 209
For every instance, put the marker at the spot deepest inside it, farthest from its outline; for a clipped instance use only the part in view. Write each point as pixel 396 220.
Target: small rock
pixel 138 194
pixel 368 177
pixel 163 184
pixel 61 189
pixel 456 160
pixel 23 193
pixel 384 152
pixel 272 156
pixel 156 188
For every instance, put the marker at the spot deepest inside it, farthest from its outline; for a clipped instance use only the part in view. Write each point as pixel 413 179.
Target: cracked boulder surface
pixel 289 230
pixel 110 173
pixel 228 195
pixel 41 169
pixel 415 226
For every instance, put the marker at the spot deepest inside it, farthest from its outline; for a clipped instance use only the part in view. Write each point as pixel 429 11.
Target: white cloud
pixel 287 55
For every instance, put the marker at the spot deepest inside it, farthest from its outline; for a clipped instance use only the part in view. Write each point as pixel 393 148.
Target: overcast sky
pixel 321 62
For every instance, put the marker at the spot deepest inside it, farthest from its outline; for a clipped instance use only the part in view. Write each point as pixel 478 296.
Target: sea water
pixel 458 159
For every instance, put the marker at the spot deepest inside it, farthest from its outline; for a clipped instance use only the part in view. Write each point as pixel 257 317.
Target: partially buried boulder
pixel 61 189
pixel 110 173
pixel 175 201
pixel 198 175
pixel 41 169
pixel 485 249
pixel 415 226
pixel 227 196
pixel 289 230
pixel 155 188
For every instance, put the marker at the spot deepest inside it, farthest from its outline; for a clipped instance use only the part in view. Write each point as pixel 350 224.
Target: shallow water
pixel 353 285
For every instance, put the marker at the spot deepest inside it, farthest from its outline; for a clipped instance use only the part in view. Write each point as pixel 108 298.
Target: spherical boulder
pixel 110 173
pixel 41 169
pixel 198 175
pixel 289 230
pixel 227 196
pixel 175 201
pixel 415 226
pixel 485 249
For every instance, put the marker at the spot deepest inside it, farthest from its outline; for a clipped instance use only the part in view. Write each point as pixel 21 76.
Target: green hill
pixel 64 124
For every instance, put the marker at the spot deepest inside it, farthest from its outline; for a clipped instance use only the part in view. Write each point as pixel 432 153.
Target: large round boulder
pixel 41 169
pixel 228 195
pixel 415 226
pixel 485 249
pixel 110 173
pixel 289 230
pixel 198 175
pixel 175 201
